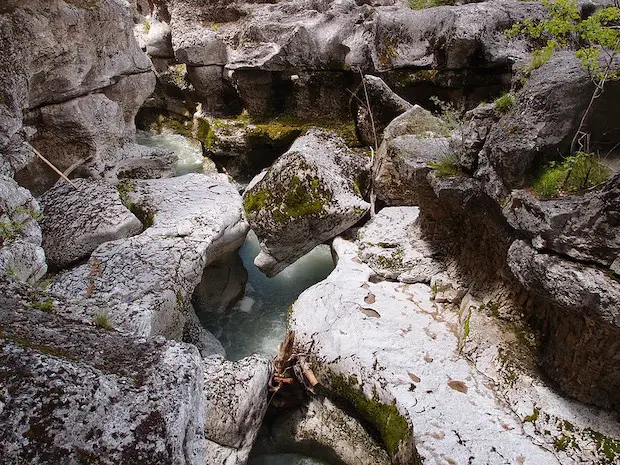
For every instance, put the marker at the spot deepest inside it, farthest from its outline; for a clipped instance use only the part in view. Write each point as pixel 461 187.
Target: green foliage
pixel 451 116
pixel 147 26
pixel 45 305
pixel 504 103
pixel 9 230
pixel 422 4
pixel 124 189
pixel 103 321
pixel 446 166
pixel 575 173
pixel 564 28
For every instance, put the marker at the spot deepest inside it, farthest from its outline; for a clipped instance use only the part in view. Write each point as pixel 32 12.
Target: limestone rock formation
pixel 384 104
pixel 308 196
pixel 236 399
pixel 72 392
pixel 76 221
pixel 411 142
pixel 147 281
pixel 21 255
pixel 222 284
pixel 391 244
pixel 392 353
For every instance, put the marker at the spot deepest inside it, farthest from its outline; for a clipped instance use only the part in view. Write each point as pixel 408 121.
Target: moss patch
pixel 391 425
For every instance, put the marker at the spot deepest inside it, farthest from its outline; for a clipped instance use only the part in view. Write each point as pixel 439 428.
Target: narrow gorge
pixel 299 232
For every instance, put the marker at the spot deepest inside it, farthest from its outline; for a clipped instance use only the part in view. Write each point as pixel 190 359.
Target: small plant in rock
pixel 504 103
pixel 446 166
pixel 103 321
pixel 574 174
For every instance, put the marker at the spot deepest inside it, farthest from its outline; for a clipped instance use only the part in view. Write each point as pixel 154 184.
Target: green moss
pixel 609 447
pixel 422 4
pixel 124 188
pixel 45 305
pixel 391 425
pixel 179 298
pixel 255 200
pixel 205 133
pixel 563 442
pixel 447 166
pixel 25 343
pixel 504 103
pixel 533 417
pixel 304 198
pixel 147 26
pixel 466 326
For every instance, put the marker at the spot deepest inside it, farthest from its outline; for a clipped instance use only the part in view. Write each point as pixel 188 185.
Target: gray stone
pixel 147 281
pixel 305 198
pixel 158 40
pixel 21 255
pixel 581 227
pixel 391 244
pixel 410 142
pixel 236 401
pixel 401 350
pixel 384 104
pixel 199 47
pixel 73 392
pixel 76 221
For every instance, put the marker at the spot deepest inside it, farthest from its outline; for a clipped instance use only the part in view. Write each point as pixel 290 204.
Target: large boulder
pixel 392 354
pixel 72 392
pixel 77 220
pixel 55 78
pixel 411 143
pixel 308 196
pixel 21 255
pixel 236 399
pixel 147 281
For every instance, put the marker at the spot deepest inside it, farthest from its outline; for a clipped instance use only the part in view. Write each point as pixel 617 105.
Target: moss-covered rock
pixel 307 197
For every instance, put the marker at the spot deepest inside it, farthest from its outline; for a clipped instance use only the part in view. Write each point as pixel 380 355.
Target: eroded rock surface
pixel 308 196
pixel 147 280
pixel 21 255
pixel 391 244
pixel 76 221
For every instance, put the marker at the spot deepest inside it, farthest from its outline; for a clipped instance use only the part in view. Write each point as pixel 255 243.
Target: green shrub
pixel 574 174
pixel 505 102
pixel 103 321
pixel 446 166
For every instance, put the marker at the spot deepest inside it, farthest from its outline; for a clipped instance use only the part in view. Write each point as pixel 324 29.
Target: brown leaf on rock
pixel 458 386
pixel 370 312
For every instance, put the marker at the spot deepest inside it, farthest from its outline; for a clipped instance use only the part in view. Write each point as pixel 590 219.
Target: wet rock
pixel 392 245
pixel 410 142
pixel 384 104
pixel 308 196
pixel 147 281
pixel 222 284
pixel 236 401
pixel 195 333
pixel 21 255
pixel 323 430
pixel 76 221
pixel 399 367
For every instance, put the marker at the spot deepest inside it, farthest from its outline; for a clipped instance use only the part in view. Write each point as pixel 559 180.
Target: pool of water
pixel 258 321
pixel 188 150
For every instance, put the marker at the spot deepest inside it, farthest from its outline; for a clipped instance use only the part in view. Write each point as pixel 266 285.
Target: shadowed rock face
pixel 72 79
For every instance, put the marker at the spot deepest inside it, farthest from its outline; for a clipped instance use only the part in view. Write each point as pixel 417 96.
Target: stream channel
pixel 257 322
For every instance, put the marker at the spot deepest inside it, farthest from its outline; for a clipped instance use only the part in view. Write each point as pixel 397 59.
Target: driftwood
pixel 291 367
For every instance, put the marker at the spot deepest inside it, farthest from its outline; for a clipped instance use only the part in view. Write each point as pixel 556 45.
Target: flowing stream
pixel 257 322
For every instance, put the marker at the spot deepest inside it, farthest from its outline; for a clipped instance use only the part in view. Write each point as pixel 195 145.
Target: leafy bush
pixel 575 173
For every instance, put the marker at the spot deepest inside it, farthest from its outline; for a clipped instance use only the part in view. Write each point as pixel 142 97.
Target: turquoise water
pixel 258 321
pixel 188 150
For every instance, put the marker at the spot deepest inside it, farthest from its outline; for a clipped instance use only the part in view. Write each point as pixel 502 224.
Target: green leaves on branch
pixel 564 28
